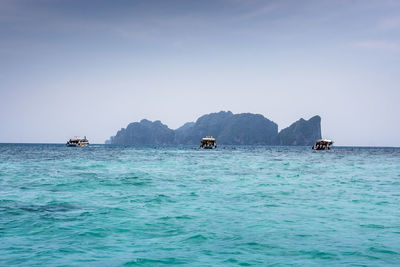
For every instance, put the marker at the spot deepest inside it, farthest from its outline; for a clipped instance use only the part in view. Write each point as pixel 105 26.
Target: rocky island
pixel 226 127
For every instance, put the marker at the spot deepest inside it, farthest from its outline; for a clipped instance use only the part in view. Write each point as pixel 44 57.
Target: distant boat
pixel 78 141
pixel 208 143
pixel 322 144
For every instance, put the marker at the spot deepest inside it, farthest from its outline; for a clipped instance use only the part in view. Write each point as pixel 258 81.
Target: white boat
pixel 78 141
pixel 208 143
pixel 322 144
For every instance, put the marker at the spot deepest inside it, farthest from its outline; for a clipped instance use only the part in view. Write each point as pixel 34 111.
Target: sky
pixel 80 67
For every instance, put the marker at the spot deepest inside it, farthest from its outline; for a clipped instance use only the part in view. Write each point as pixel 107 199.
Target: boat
pixel 208 143
pixel 322 144
pixel 78 141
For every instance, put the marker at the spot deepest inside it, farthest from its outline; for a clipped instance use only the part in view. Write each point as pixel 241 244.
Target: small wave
pixel 196 238
pixel 373 226
pixel 316 254
pixel 181 217
pixel 153 262
pixel 382 203
pixel 384 251
pixel 245 264
pixel 231 260
pixel 99 232
pixel 160 199
pixel 304 235
pixel 52 207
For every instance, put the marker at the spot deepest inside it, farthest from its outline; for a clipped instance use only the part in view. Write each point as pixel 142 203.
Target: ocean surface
pixel 233 206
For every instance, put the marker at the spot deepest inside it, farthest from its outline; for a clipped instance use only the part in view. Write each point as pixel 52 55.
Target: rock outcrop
pixel 301 133
pixel 144 132
pixel 230 129
pixel 226 127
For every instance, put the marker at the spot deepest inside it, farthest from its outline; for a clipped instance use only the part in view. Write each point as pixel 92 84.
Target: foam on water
pixel 147 206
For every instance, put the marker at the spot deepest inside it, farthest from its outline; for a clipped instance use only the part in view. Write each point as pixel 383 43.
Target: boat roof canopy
pixel 324 141
pixel 78 138
pixel 208 138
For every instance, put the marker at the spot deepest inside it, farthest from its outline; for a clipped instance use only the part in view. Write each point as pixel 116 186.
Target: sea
pixel 105 205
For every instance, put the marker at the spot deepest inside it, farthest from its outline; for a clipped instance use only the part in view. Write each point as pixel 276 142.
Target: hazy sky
pixel 75 67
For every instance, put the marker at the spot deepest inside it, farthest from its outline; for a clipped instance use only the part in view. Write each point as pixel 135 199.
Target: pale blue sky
pixel 70 67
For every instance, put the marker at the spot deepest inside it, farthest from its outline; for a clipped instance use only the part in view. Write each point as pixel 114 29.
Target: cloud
pixel 389 24
pixel 378 45
pixel 259 12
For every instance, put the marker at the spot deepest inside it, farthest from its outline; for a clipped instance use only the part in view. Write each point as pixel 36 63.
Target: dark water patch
pixel 356 255
pixel 372 226
pixel 160 198
pixel 193 194
pixel 71 250
pixel 7 202
pixel 245 264
pixel 383 251
pixel 231 260
pixel 36 208
pixel 56 207
pixel 382 203
pixel 79 168
pixel 304 235
pixel 199 238
pixel 257 246
pixel 98 232
pixel 134 181
pixel 316 254
pixel 286 193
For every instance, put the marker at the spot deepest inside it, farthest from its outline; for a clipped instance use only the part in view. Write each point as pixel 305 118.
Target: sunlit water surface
pixel 154 206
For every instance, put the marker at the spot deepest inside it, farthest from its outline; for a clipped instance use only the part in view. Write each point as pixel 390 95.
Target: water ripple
pixel 235 206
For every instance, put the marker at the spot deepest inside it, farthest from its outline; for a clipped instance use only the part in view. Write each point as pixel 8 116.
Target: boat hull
pixel 321 148
pixel 208 147
pixel 77 145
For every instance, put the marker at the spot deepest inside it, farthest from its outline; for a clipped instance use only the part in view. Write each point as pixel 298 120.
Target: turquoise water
pixel 243 206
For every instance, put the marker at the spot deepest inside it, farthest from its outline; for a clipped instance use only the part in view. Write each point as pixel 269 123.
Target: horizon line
pixel 40 143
